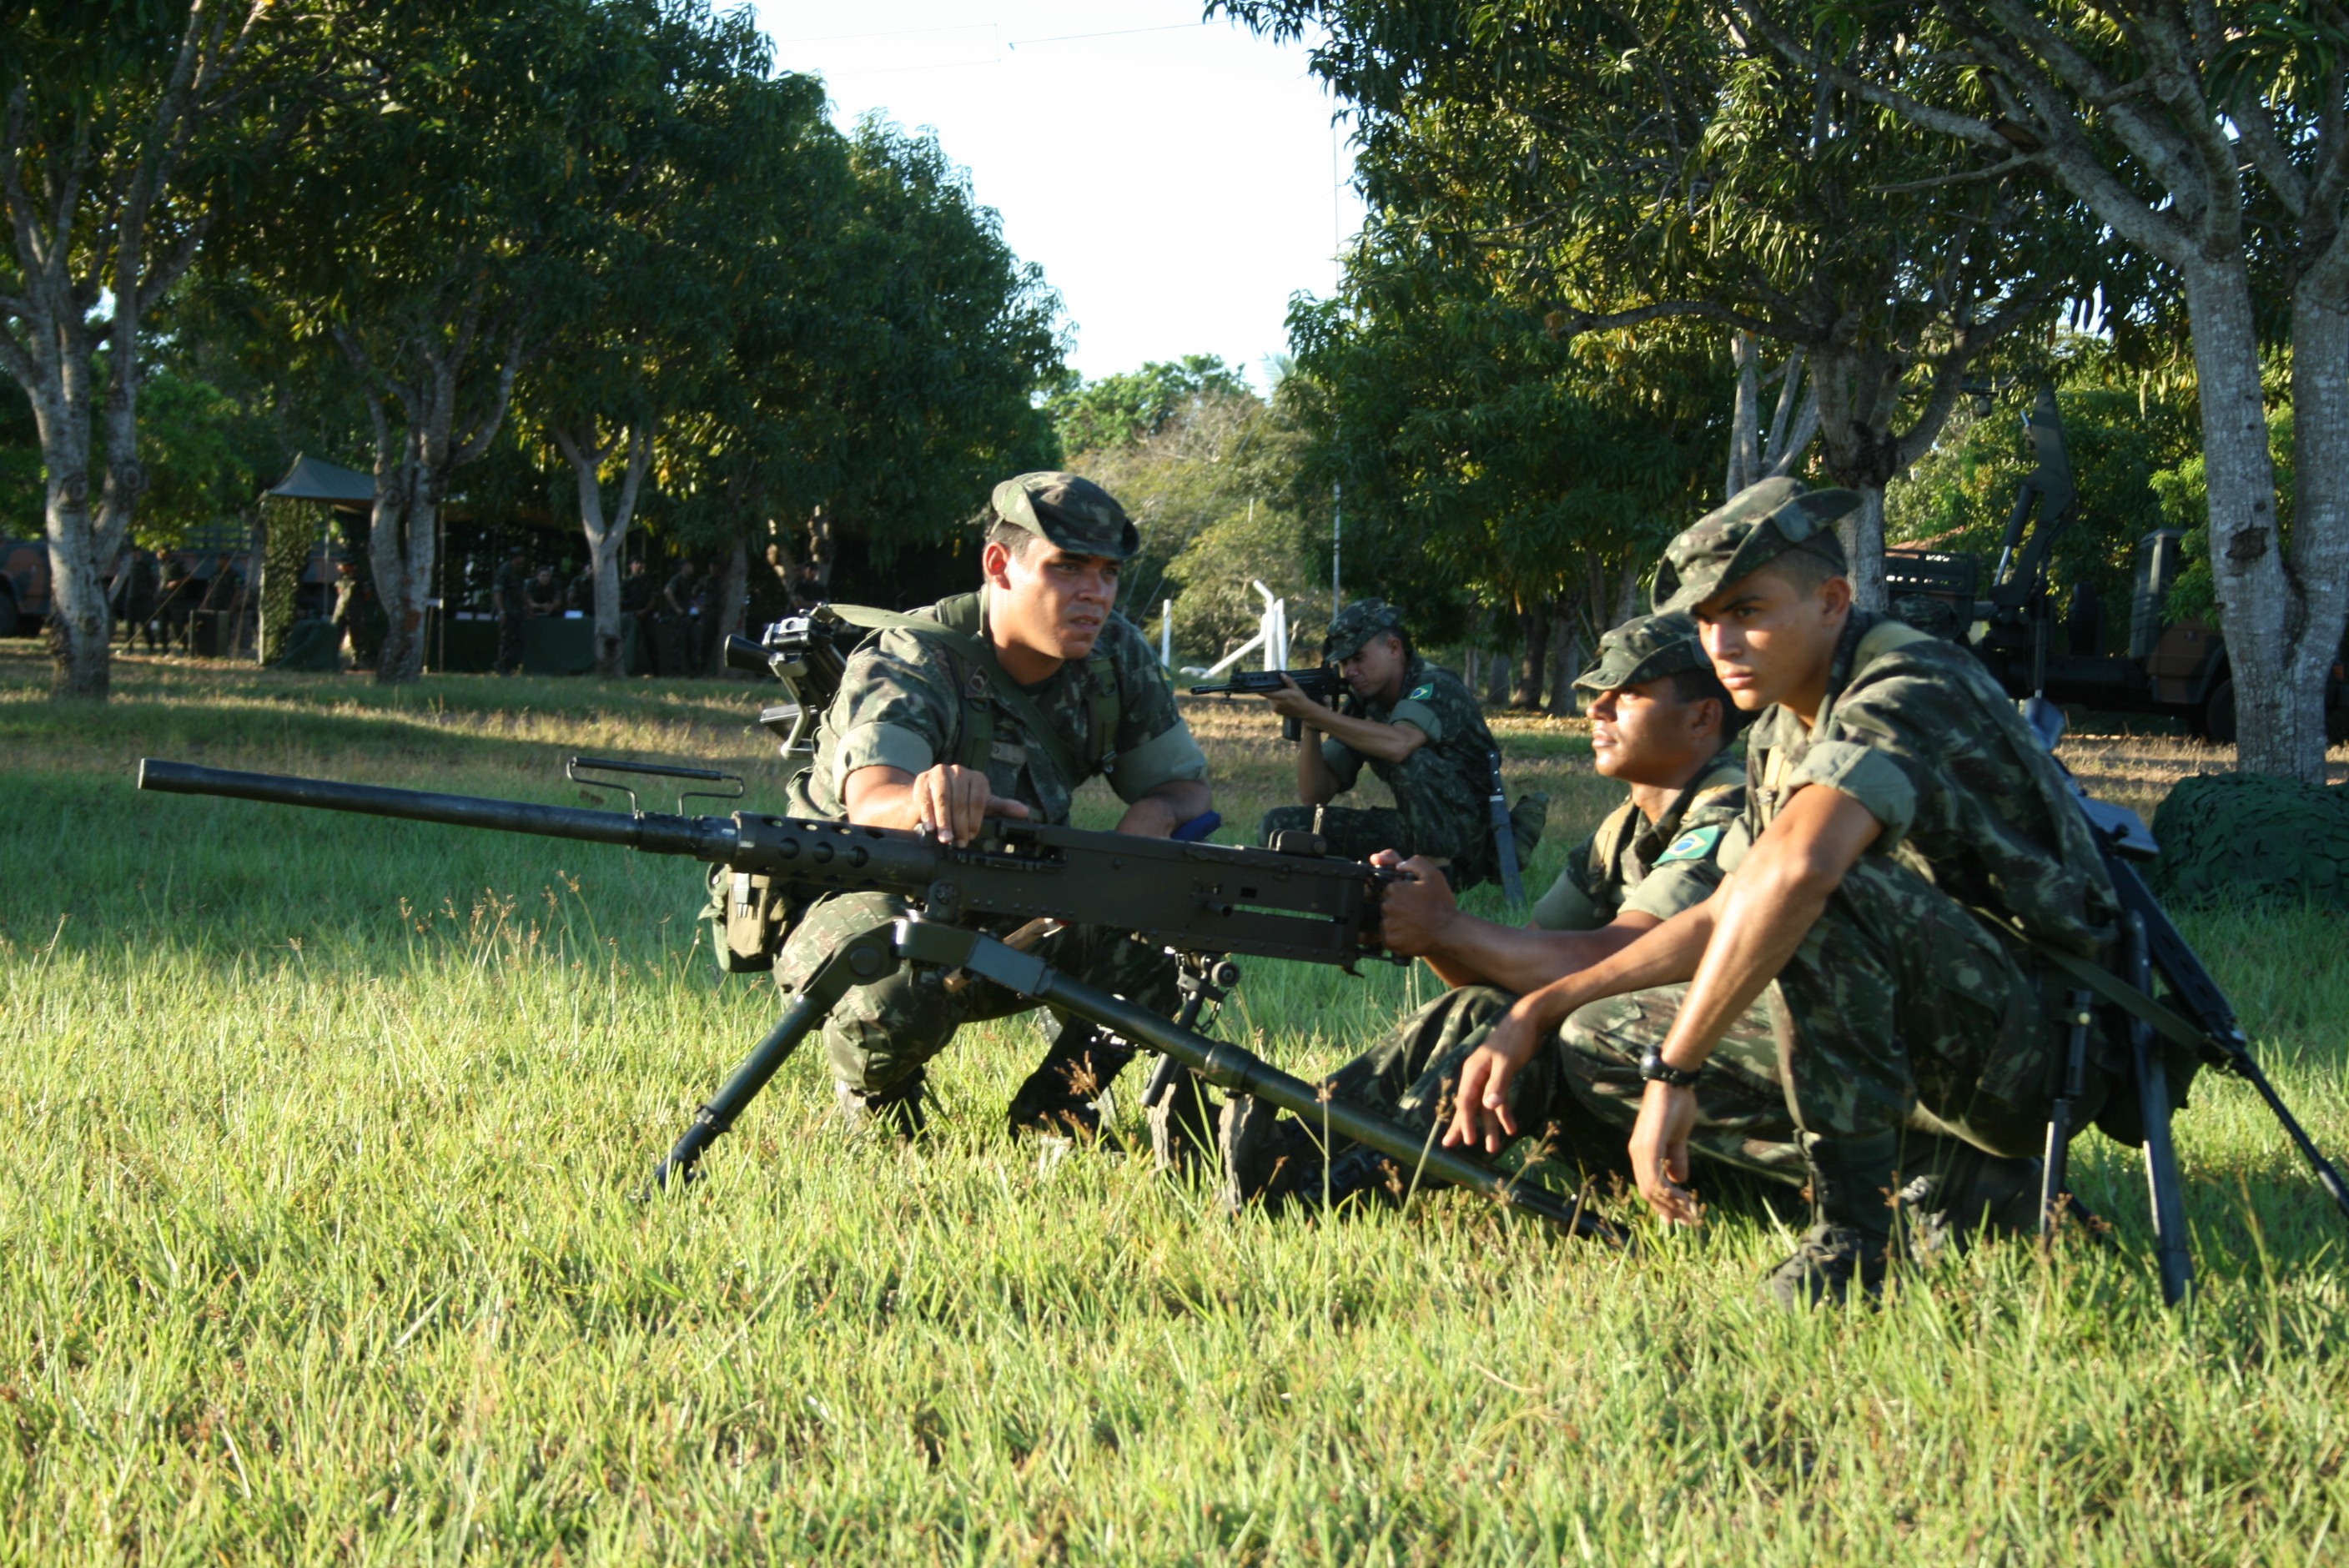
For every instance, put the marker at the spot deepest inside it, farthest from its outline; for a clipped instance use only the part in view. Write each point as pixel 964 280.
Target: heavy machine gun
pixel 1207 903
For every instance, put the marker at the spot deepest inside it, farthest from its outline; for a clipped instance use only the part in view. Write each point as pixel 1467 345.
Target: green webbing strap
pixel 2113 989
pixel 981 656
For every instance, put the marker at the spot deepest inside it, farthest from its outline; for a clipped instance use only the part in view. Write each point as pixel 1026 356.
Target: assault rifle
pixel 1321 682
pixel 1204 902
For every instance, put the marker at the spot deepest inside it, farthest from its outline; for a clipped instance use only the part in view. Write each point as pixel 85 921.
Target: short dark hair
pixel 1696 685
pixel 1010 535
pixel 1804 569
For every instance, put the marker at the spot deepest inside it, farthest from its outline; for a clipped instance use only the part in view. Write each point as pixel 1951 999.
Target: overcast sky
pixel 1178 181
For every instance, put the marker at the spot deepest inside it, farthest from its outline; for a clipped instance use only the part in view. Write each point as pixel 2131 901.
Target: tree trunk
pixel 1744 416
pixel 1498 677
pixel 1566 643
pixel 2254 599
pixel 822 549
pixel 607 537
pixel 1533 630
pixel 402 549
pixel 727 599
pixel 1859 392
pixel 2319 548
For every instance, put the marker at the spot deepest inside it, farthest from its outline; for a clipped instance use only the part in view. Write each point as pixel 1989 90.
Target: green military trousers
pixel 1901 1009
pixel 881 1033
pixel 1581 1103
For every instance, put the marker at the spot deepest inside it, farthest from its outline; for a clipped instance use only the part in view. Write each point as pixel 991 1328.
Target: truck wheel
pixel 7 614
pixel 2218 713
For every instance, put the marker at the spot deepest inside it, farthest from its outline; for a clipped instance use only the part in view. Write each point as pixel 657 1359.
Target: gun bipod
pixel 933 944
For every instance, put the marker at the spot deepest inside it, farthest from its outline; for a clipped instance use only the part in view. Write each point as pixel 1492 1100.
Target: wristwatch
pixel 1655 1069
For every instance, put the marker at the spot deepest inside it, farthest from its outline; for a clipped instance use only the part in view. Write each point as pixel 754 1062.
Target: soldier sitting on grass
pixel 1908 852
pixel 1662 723
pixel 1421 733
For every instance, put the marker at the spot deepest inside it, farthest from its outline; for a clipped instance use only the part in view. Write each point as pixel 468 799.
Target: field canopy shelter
pixel 314 479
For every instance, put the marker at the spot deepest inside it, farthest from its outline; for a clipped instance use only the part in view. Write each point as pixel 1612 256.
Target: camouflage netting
pixel 2252 838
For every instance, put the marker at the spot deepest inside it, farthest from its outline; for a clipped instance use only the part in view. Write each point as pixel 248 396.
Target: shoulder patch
pixel 1693 845
pixel 1421 692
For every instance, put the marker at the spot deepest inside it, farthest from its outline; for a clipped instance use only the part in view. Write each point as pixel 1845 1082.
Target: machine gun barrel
pixel 706 838
pixel 1196 898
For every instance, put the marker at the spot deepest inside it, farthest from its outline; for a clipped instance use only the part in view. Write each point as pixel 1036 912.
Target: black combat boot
pixel 1276 1161
pixel 1966 1193
pixel 1065 1093
pixel 896 1112
pixel 1850 1238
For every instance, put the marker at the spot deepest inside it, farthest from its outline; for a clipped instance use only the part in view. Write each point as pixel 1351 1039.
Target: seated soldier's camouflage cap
pixel 1357 623
pixel 1645 650
pixel 1760 523
pixel 1071 511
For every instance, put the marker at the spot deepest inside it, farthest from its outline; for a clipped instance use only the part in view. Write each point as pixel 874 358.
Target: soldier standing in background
pixel 637 604
pixel 509 591
pixel 673 620
pixel 1421 733
pixel 139 594
pixel 540 596
pixel 1023 692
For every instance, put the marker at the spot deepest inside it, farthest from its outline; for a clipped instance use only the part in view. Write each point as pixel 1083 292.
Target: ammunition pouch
pixel 750 916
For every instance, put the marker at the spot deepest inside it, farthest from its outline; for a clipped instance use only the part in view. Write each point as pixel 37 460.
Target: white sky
pixel 1177 184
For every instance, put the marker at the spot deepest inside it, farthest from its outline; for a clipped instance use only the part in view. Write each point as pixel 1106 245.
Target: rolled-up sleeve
pixel 1868 776
pixel 1171 754
pixel 880 746
pixel 1420 717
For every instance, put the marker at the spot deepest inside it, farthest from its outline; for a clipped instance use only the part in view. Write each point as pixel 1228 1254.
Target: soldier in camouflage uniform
pixel 1907 846
pixel 508 601
pixel 1021 693
pixel 1421 732
pixel 1663 725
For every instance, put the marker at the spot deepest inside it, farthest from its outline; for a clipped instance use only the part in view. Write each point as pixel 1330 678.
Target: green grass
pixel 320 1244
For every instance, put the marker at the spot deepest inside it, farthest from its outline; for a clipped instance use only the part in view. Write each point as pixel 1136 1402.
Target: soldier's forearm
pixel 1516 959
pixel 1158 813
pixel 1664 956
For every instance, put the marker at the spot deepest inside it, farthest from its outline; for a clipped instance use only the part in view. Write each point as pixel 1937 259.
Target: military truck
pixel 2009 616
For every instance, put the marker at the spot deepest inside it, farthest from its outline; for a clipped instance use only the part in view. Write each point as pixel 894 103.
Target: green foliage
pixel 1121 409
pixel 1519 465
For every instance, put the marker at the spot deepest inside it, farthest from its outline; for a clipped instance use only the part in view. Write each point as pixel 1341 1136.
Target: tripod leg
pixel 2055 1170
pixel 2171 1251
pixel 868 958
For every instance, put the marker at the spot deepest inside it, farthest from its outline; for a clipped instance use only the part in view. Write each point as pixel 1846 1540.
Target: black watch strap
pixel 1655 1069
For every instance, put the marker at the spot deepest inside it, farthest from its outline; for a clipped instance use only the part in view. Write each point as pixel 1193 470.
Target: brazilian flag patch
pixel 1693 845
pixel 1423 692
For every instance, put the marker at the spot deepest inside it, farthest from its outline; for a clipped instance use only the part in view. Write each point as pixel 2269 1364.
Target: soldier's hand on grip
pixel 954 802
pixel 1413 912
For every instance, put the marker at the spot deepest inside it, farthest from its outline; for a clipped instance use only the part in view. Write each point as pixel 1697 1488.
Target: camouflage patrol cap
pixel 1357 623
pixel 1071 511
pixel 1760 523
pixel 1645 650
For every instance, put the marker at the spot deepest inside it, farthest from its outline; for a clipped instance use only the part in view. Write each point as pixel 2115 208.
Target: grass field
pixel 320 1244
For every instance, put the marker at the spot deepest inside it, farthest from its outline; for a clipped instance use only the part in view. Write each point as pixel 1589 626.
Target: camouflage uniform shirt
pixel 1658 867
pixel 904 701
pixel 1442 787
pixel 1968 797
